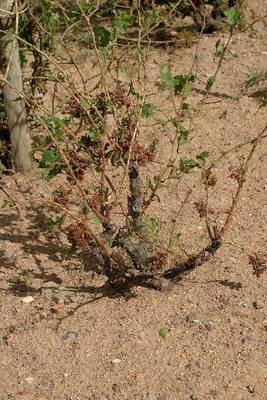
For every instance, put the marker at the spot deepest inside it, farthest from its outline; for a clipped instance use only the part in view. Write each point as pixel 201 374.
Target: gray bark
pixel 14 105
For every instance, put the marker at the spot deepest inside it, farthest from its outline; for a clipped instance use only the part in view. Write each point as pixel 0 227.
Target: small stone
pixel 29 380
pixel 140 377
pixel 69 335
pixel 48 289
pixel 58 309
pixel 250 389
pixel 27 299
pixel 24 395
pixel 192 318
pixel 14 257
pixel 47 385
pixel 258 304
pixel 215 393
pixel 50 285
pixel 67 295
pixel 116 361
pixel 59 298
pixel 173 33
pixel 209 326
pixel 116 388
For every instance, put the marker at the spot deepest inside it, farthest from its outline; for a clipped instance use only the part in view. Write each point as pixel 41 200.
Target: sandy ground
pixel 204 339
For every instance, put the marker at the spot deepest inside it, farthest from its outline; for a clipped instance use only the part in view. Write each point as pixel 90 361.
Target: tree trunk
pixel 14 105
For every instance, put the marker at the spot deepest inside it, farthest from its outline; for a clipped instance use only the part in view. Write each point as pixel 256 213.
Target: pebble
pixel 27 299
pixel 24 395
pixel 58 298
pixel 116 388
pixel 48 289
pixel 29 380
pixel 215 393
pixel 63 297
pixel 52 291
pixel 140 377
pixel 14 257
pixel 250 389
pixel 258 304
pixel 69 335
pixel 116 361
pixel 50 285
pixel 209 327
pixel 47 385
pixel 58 309
pixel 193 318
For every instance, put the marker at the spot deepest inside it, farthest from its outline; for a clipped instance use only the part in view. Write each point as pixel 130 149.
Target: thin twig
pixel 241 180
pixel 10 198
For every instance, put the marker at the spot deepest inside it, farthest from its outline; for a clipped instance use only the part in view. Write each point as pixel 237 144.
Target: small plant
pixel 259 263
pixel 255 79
pixel 96 140
pixel 163 332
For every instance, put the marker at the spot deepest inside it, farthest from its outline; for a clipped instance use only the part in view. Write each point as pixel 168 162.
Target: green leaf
pixel 151 228
pixel 183 83
pixel 150 17
pixel 166 76
pixel 233 15
pixel 218 52
pixel 23 59
pixel 203 155
pixel 55 126
pixel 201 158
pixel 131 89
pixel 7 36
pixel 163 332
pixel 5 203
pixel 188 165
pixel 148 109
pixel 263 100
pixel 102 35
pixel 75 12
pixel 83 208
pixel 88 38
pixel 95 220
pixel 54 171
pixel 84 103
pixel 153 145
pixel 210 82
pixel 52 224
pixel 173 121
pixel 121 22
pixel 200 239
pixel 92 133
pixel 183 138
pixel 189 85
pixel 176 239
pixel 49 157
pixel 161 122
pixel 179 82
